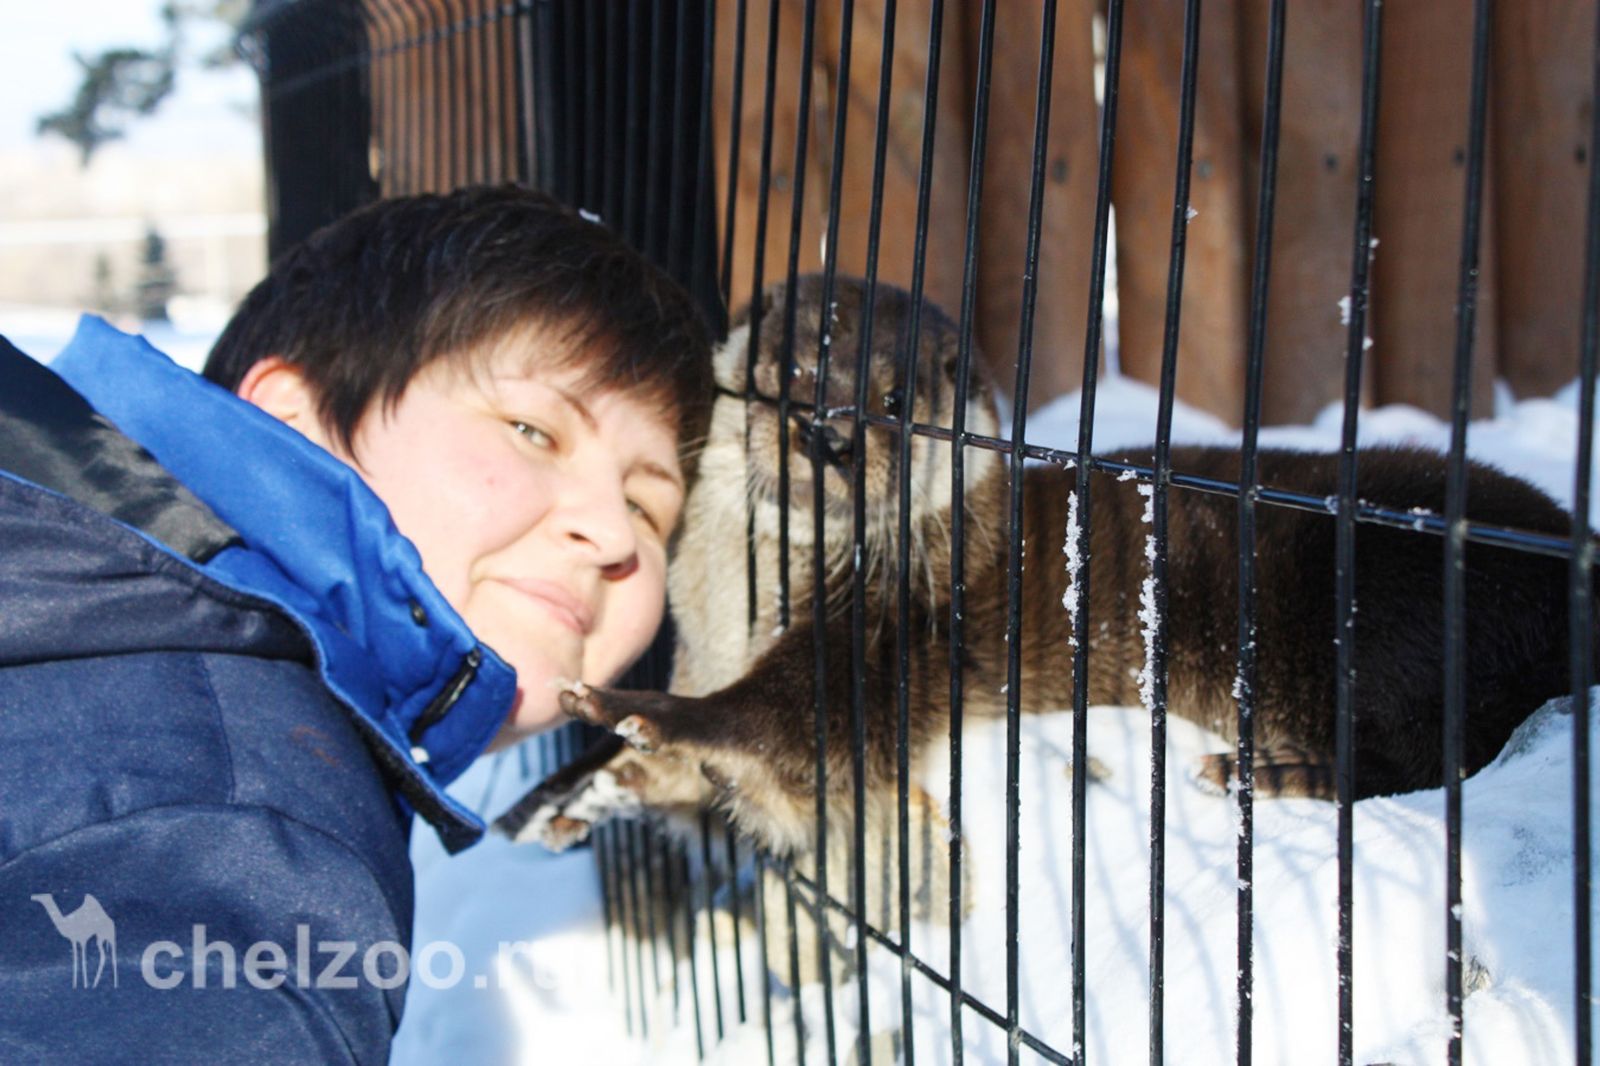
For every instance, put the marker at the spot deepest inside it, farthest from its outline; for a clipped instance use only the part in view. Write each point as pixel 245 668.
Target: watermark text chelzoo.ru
pixel 325 964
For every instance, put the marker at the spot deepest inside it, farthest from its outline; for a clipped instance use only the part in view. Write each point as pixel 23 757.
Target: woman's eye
pixel 534 434
pixel 643 512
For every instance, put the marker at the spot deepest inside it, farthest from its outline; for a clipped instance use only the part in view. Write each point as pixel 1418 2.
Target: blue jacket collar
pixel 317 542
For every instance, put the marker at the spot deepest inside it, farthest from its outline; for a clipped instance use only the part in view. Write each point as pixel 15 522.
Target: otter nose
pixel 834 446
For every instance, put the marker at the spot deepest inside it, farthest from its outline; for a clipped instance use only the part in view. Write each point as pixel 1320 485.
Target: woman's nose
pixel 596 520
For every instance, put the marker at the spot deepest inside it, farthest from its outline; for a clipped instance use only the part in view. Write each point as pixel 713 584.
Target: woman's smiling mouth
pixel 566 607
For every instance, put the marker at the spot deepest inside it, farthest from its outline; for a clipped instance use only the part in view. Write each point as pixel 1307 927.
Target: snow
pixel 1071 549
pixel 1516 910
pixel 43 331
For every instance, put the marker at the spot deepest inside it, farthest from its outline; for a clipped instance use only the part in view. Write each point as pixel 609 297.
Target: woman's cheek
pixel 639 610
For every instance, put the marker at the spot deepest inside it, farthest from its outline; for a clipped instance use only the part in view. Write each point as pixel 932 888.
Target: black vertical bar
pixel 522 58
pixel 760 864
pixel 635 155
pixel 819 511
pixel 1156 663
pixel 468 79
pixel 702 269
pixel 858 590
pixel 690 941
pixel 650 240
pixel 675 260
pixel 738 927
pixel 545 28
pixel 1255 357
pixel 615 83
pixel 488 26
pixel 673 890
pixel 614 843
pixel 429 101
pixel 411 73
pixel 648 839
pixel 758 268
pixel 635 860
pixel 958 475
pixel 1345 545
pixel 735 126
pixel 1456 523
pixel 1079 524
pixel 797 202
pixel 709 877
pixel 338 97
pixel 569 18
pixel 919 263
pixel 449 84
pixel 593 148
pixel 794 962
pixel 785 374
pixel 419 65
pixel 607 905
pixel 1019 424
pixel 512 79
pixel 1580 615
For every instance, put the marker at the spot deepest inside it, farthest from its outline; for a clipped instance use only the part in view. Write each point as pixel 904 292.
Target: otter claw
pixel 547 823
pixel 640 732
pixel 577 702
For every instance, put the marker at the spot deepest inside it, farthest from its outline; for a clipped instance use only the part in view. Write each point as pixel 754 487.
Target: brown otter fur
pixel 738 728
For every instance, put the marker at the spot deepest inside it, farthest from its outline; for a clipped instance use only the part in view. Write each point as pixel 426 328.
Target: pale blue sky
pixel 36 45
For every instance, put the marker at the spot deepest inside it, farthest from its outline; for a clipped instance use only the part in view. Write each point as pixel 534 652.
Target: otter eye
pixel 893 400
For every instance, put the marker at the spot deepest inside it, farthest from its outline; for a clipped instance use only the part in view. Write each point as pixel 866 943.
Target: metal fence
pixel 618 109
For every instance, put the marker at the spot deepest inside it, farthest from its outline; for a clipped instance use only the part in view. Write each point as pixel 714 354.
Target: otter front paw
pixel 643 719
pixel 560 813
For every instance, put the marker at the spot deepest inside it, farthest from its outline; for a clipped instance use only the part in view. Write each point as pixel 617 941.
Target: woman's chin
pixel 532 712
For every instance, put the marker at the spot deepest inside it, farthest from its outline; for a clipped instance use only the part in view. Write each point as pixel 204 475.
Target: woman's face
pixel 542 514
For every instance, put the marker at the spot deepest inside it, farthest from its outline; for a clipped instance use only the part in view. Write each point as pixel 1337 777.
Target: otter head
pixel 824 436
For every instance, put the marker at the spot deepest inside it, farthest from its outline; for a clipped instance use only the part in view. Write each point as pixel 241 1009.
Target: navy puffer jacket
pixel 225 684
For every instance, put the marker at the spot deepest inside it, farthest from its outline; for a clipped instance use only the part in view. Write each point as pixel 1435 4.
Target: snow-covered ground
pixel 43 331
pixel 554 1003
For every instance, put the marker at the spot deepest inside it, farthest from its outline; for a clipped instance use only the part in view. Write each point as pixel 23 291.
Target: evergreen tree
pixel 103 296
pixel 122 84
pixel 157 279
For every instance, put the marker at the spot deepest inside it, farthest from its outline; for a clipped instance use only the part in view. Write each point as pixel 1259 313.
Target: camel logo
pixel 89 922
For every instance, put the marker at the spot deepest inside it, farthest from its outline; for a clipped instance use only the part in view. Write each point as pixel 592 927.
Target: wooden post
pixel 1067 233
pixel 1212 334
pixel 1421 188
pixel 1542 98
pixel 1316 198
pixel 902 164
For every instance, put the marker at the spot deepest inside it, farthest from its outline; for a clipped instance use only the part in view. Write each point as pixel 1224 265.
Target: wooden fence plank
pixel 1316 199
pixel 1542 99
pixel 1212 337
pixel 904 148
pixel 1067 233
pixel 1422 137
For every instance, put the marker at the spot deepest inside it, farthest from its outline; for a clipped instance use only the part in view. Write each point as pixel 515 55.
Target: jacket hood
pixel 240 521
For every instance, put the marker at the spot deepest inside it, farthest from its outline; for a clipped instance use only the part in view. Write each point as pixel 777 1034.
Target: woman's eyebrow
pixel 650 468
pixel 577 405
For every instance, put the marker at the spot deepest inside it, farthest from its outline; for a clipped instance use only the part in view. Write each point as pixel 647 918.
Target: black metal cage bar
pixel 683 124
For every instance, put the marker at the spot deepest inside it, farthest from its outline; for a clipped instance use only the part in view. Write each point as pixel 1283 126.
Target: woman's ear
pixel 280 388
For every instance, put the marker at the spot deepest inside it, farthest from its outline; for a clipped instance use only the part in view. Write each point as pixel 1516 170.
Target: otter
pixel 736 728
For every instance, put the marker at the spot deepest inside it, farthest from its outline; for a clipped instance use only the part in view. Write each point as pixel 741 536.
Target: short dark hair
pixel 365 303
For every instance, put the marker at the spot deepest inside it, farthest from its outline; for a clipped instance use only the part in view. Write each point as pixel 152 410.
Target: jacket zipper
pixel 440 705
